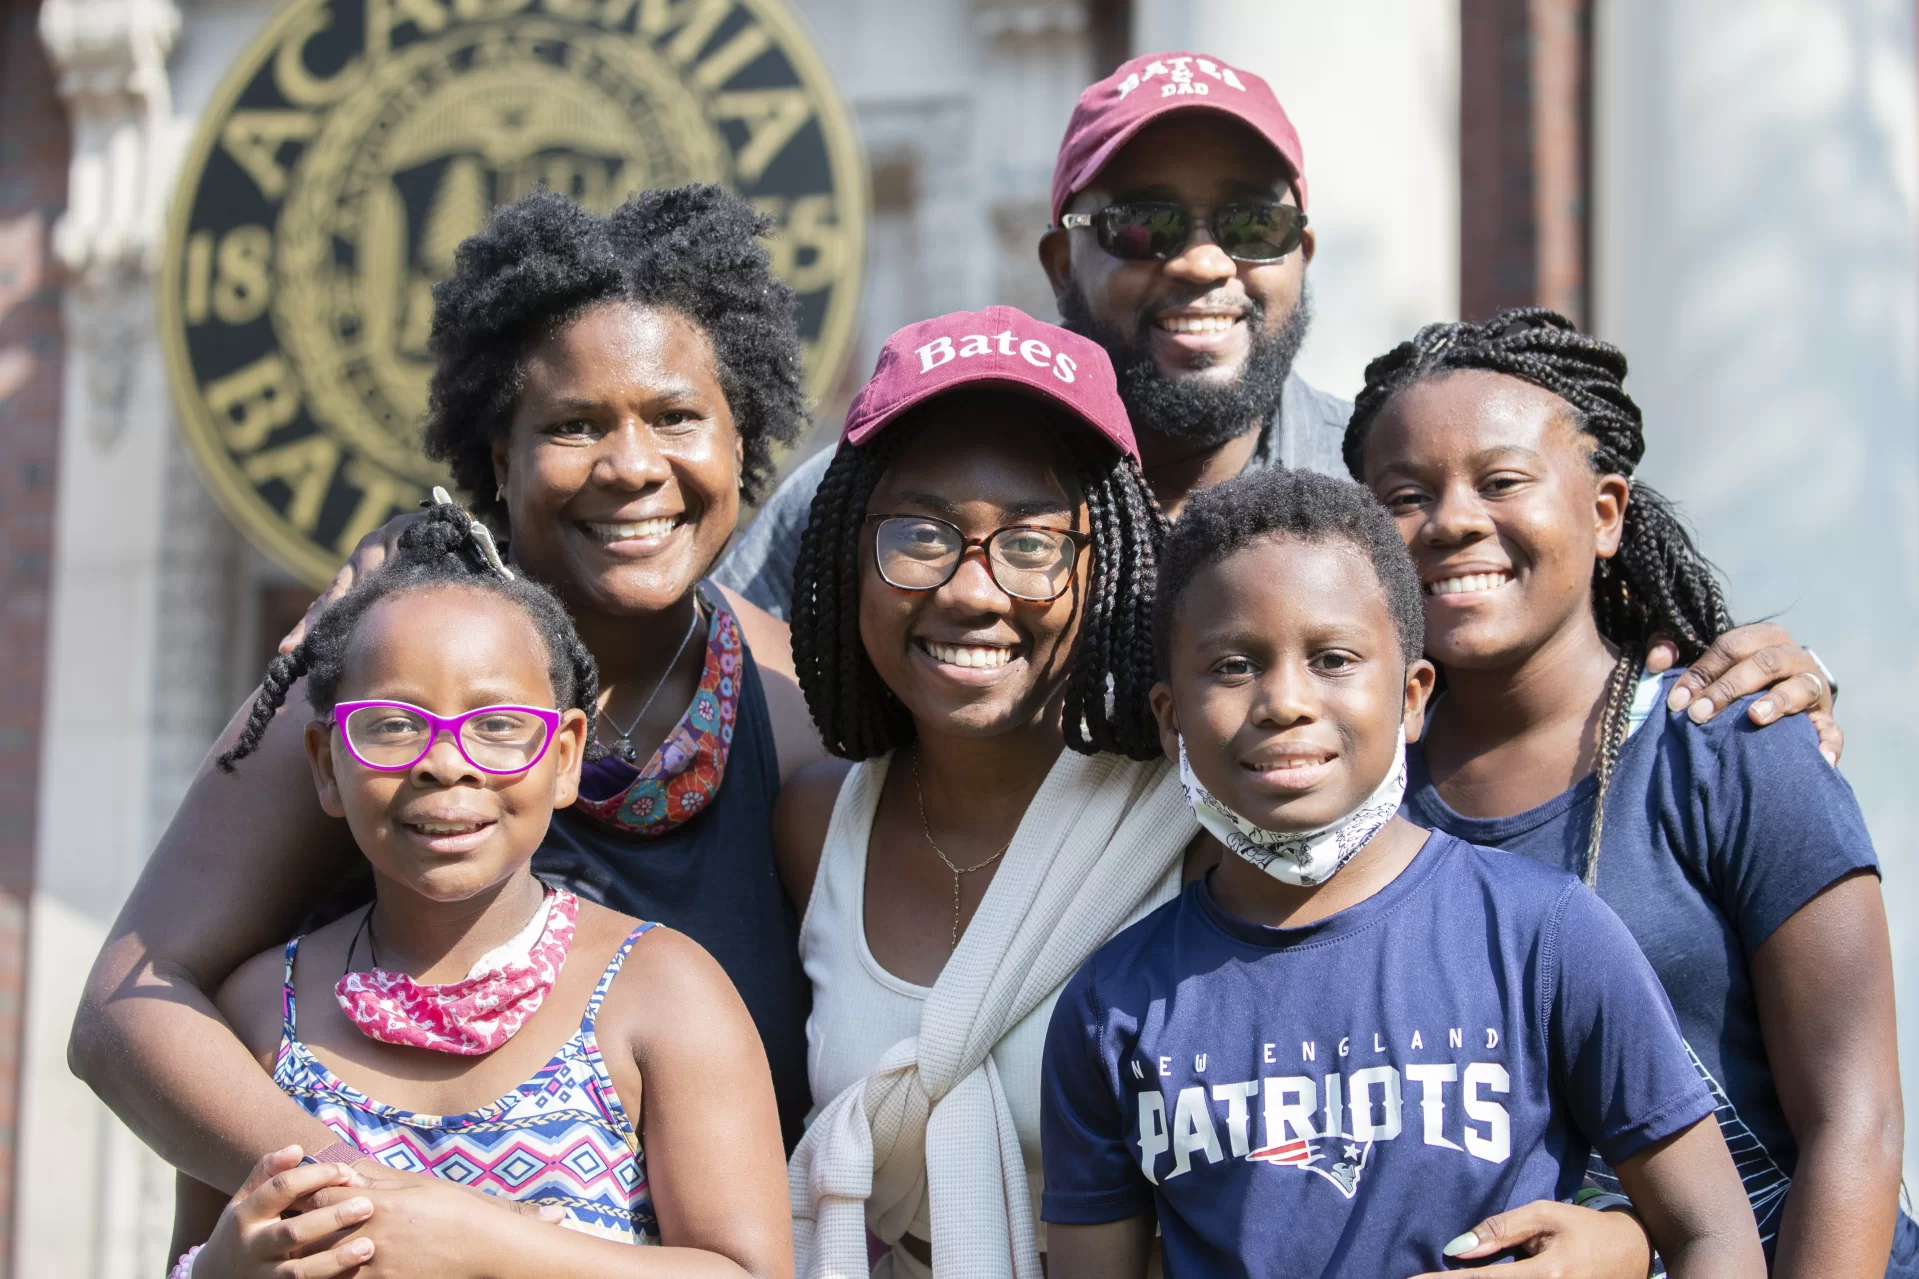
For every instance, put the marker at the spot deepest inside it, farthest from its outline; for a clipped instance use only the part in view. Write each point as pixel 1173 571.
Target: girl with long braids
pixel 973 631
pixel 473 1022
pixel 607 389
pixel 1736 856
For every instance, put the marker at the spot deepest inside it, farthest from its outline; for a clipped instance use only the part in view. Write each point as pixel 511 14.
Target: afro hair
pixel 543 261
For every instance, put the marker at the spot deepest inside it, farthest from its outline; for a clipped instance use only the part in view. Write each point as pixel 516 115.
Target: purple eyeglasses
pixel 500 740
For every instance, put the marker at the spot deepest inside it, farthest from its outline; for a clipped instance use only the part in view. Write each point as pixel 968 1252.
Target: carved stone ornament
pixel 111 59
pixel 1025 20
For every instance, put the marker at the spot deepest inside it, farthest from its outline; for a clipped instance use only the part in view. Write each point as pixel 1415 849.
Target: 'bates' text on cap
pixel 1035 352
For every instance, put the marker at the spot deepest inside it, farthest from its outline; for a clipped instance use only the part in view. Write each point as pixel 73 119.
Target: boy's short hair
pixel 1302 505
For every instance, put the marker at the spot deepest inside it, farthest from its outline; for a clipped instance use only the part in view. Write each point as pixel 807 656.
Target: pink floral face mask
pixel 481 1011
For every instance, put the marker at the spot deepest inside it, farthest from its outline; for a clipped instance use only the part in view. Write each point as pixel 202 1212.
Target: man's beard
pixel 1202 413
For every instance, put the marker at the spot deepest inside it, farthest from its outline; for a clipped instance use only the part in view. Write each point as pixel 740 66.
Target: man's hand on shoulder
pixel 1760 658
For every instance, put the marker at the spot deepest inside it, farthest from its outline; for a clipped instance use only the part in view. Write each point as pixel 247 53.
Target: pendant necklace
pixel 624 748
pixel 940 853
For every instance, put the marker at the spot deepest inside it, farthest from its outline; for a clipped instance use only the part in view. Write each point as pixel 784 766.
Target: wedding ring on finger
pixel 1828 686
pixel 1818 684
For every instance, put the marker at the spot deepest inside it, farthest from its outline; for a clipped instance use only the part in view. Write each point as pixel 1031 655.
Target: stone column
pixel 107 1213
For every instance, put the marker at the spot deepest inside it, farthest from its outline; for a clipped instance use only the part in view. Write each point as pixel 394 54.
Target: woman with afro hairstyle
pixel 607 390
pixel 1735 854
pixel 973 631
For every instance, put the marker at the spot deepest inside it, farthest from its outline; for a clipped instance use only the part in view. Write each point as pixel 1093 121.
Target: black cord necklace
pixel 372 943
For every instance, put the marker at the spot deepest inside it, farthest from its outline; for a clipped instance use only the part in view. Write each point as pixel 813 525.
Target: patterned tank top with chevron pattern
pixel 560 1138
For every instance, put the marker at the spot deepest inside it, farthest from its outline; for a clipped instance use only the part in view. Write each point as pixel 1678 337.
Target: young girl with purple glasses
pixel 500 1022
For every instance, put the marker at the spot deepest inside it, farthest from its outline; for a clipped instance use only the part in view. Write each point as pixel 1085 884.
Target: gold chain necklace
pixel 941 854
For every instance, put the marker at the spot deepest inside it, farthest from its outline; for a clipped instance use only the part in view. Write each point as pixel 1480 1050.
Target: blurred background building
pixel 1728 188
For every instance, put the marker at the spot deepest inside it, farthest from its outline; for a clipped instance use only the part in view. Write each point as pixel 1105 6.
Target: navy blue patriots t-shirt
pixel 1346 1097
pixel 1715 835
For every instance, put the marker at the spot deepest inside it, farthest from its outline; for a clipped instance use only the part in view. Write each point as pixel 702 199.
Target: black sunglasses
pixel 1027 561
pixel 1156 230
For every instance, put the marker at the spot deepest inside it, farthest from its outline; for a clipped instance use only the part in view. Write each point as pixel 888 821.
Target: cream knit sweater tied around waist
pixel 927 1100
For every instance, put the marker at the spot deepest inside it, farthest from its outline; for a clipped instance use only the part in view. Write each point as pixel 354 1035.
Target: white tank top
pixel 860 1010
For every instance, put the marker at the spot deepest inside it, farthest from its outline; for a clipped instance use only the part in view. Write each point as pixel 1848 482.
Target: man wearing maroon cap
pixel 1180 245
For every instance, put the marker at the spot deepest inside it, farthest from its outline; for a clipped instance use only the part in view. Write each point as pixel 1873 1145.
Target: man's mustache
pixel 1250 310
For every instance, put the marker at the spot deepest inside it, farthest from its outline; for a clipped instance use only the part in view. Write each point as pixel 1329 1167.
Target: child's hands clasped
pixel 253 1241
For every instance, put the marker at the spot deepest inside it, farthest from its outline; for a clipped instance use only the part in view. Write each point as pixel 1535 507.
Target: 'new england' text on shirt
pixel 1297 1112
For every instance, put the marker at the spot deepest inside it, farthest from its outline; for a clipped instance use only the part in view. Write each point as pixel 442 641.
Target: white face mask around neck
pixel 1305 858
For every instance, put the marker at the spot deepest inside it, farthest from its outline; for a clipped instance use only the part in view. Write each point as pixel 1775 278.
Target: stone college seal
pixel 357 142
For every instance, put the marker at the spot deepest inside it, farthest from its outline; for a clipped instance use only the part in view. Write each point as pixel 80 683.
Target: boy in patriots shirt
pixel 1352 1034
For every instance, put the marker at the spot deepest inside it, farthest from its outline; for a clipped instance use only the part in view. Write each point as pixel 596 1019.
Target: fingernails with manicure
pixel 1700 710
pixel 1463 1244
pixel 1677 699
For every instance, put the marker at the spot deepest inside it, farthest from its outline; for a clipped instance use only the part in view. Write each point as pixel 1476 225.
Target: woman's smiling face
pixel 1491 484
pixel 966 658
pixel 622 463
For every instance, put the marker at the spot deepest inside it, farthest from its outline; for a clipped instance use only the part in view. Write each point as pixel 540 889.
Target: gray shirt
pixel 1305 434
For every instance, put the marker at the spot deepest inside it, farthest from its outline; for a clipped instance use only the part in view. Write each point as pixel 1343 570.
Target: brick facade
pixel 33 177
pixel 1525 155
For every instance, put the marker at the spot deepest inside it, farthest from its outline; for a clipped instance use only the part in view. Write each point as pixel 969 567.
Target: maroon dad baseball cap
pixel 1157 84
pixel 1001 346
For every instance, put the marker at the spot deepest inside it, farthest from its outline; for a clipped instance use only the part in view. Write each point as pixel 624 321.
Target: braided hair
pixel 543 261
pixel 447 547
pixel 1106 705
pixel 1658 582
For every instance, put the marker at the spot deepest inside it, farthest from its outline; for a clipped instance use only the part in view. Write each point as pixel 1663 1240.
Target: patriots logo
pixel 1304 1152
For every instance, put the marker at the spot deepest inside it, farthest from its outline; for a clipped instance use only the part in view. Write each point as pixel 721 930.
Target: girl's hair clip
pixel 481 534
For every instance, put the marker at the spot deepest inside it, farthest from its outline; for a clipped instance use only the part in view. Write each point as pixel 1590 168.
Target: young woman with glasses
pixel 607 389
pixel 972 623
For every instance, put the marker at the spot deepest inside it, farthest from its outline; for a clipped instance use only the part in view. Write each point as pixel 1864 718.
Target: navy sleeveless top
pixel 712 878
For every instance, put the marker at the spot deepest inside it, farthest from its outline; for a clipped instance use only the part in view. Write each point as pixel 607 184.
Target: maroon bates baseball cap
pixel 1157 84
pixel 1001 346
